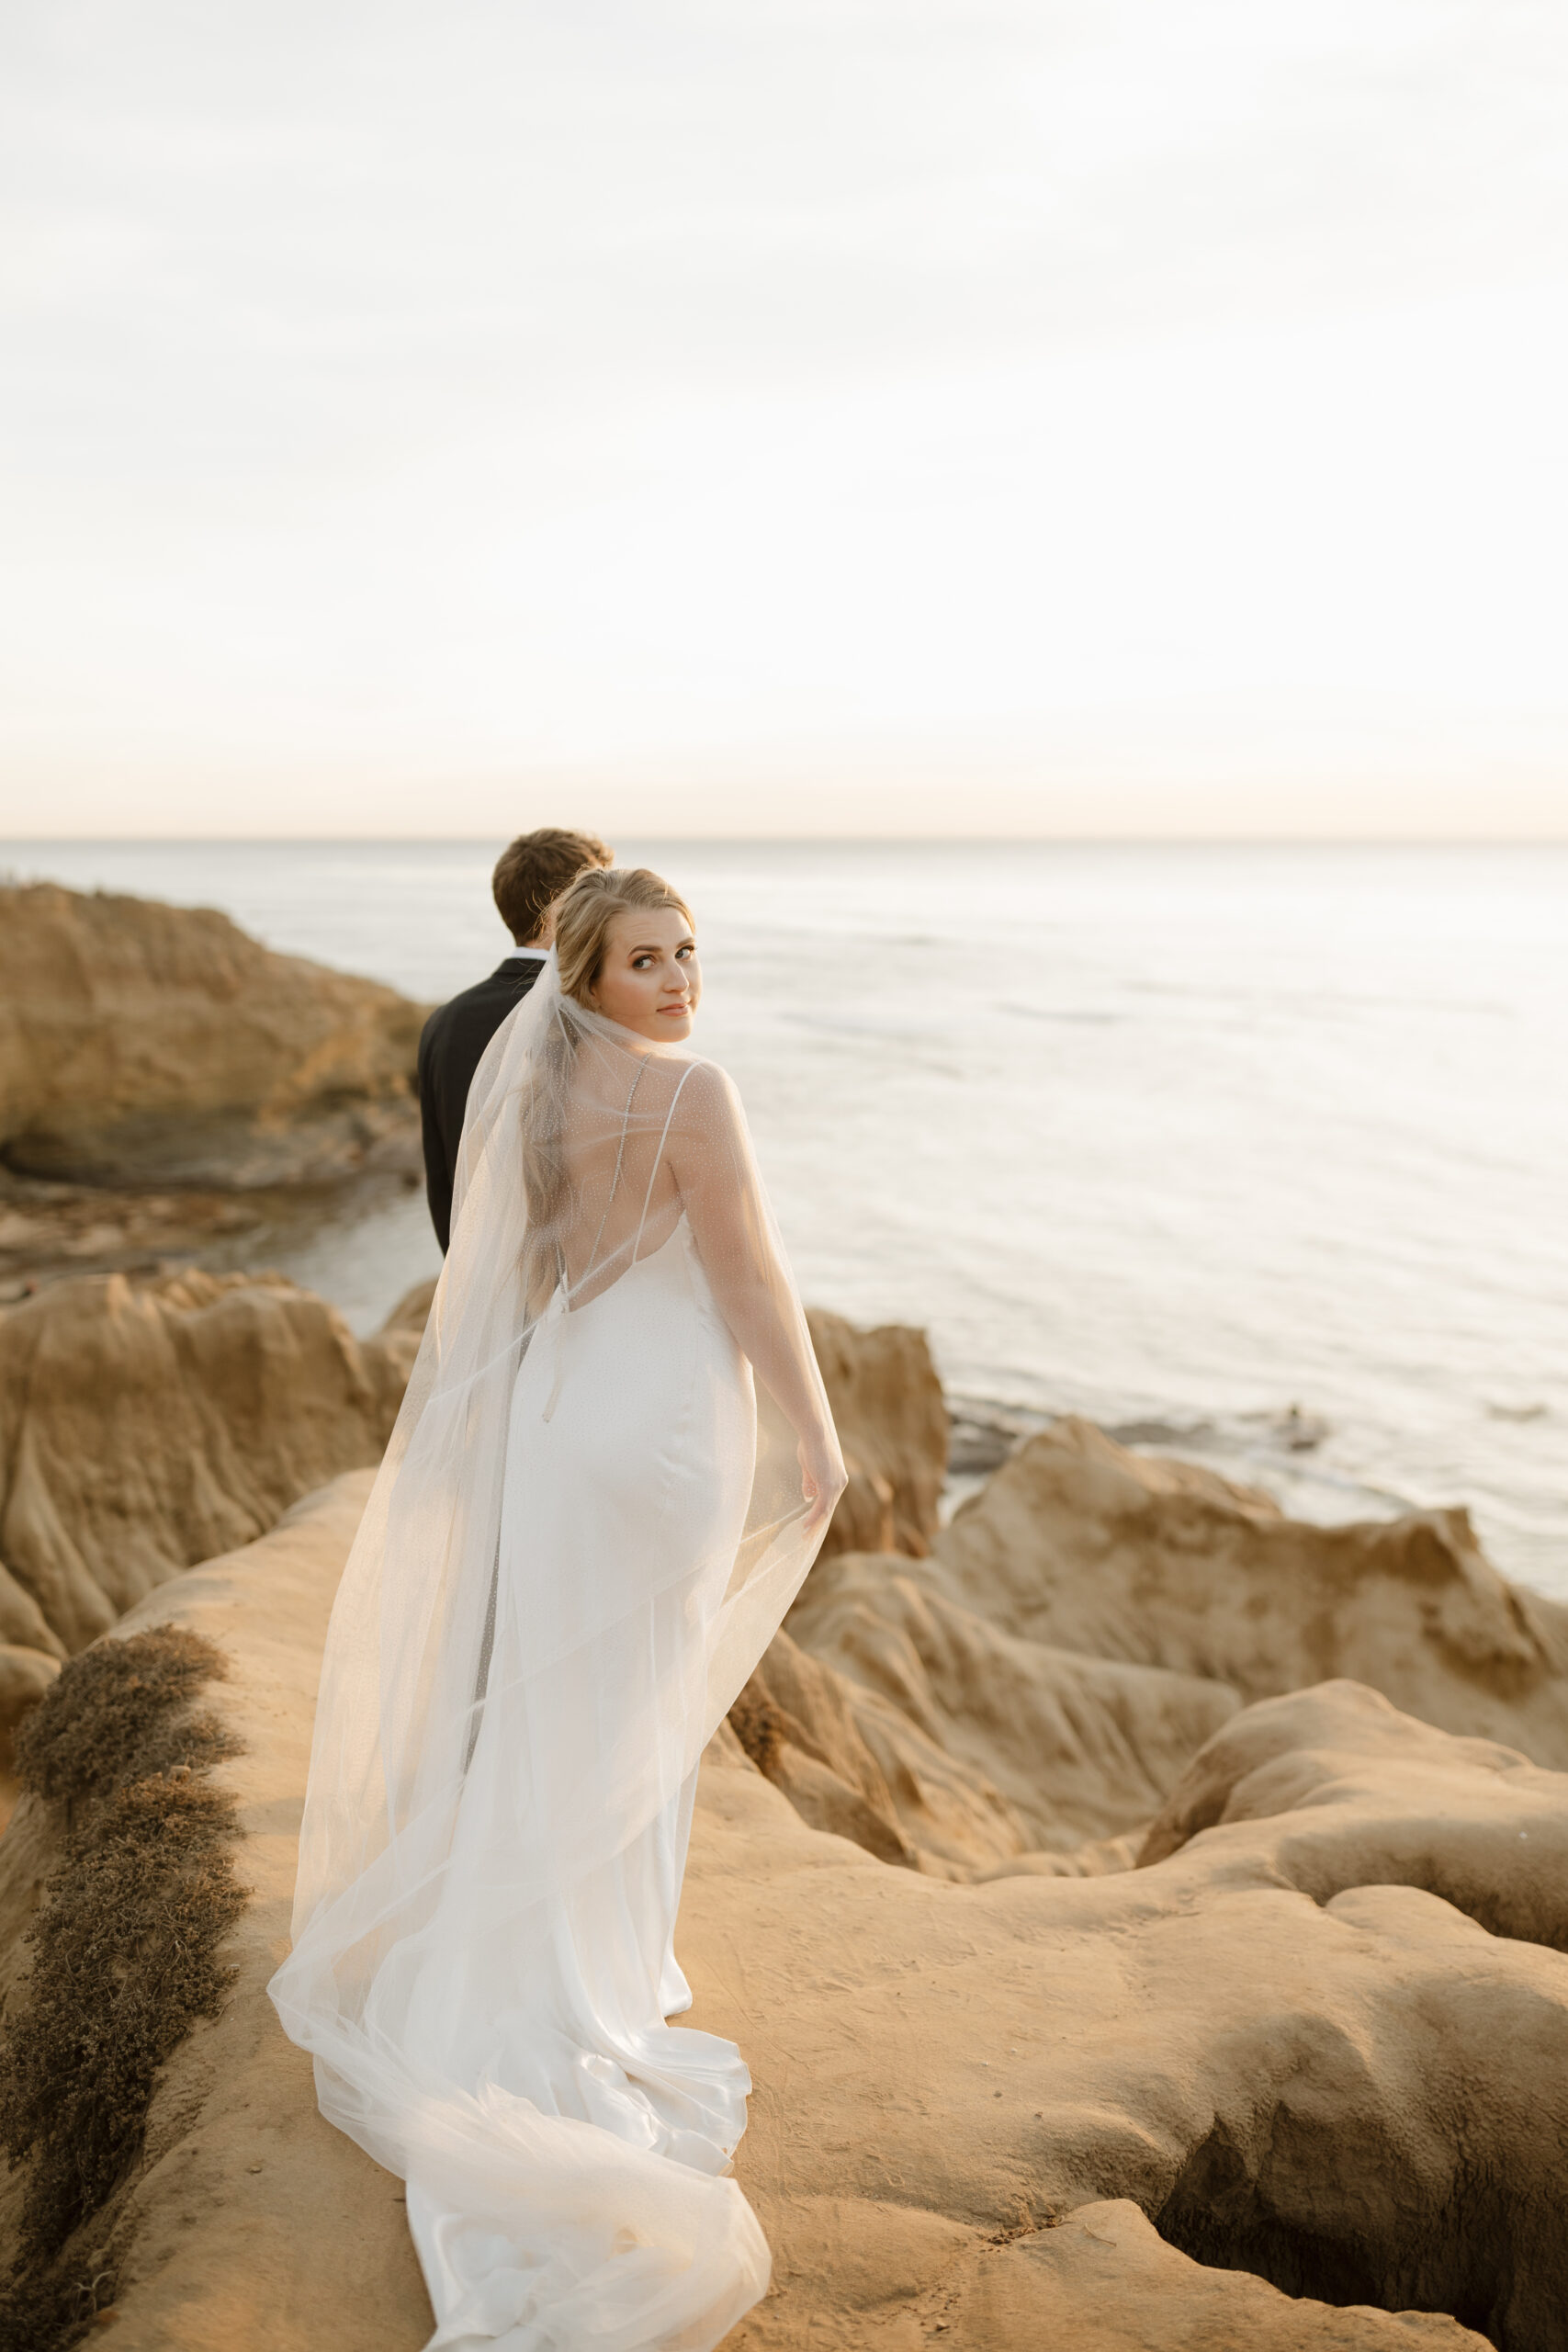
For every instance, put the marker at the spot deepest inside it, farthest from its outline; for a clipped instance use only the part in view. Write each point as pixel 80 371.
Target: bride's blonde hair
pixel 584 915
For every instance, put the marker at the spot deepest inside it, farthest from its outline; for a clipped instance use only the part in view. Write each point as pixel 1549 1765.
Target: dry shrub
pixel 117 1714
pixel 51 2313
pixel 125 1944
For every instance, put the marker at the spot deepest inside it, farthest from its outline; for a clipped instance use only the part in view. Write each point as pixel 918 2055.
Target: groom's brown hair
pixel 535 868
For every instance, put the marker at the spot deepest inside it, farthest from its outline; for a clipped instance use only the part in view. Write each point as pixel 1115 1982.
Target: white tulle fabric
pixel 589 1522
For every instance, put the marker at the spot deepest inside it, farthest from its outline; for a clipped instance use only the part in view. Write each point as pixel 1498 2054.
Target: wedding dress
pixel 589 1522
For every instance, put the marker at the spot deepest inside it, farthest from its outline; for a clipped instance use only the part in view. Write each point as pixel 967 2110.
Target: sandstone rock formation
pixel 1100 1987
pixel 892 1423
pixel 48 1230
pixel 1299 2083
pixel 141 1042
pixel 1025 1699
pixel 1079 1543
pixel 1281 2048
pixel 1079 1748
pixel 143 1428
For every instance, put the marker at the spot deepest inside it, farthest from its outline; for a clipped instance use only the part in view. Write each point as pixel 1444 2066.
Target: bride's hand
pixel 822 1477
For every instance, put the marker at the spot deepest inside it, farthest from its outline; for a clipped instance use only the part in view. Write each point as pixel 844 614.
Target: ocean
pixel 1256 1154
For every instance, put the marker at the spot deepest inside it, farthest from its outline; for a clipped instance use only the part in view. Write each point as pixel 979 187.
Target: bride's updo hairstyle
pixel 584 915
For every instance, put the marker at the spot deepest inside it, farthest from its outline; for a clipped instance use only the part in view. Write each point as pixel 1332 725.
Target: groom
pixel 529 878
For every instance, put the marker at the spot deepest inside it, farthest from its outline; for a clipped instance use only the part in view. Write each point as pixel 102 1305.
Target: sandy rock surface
pixel 993 1746
pixel 1025 1699
pixel 1281 2059
pixel 892 1422
pixel 1099 1986
pixel 145 1427
pixel 49 1231
pixel 1323 2037
pixel 1078 1542
pixel 252 2225
pixel 146 1043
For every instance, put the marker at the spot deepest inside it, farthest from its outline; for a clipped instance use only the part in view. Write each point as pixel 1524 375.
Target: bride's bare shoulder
pixel 703 1094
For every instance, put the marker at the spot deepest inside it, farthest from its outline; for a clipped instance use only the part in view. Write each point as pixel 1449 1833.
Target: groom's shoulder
pixel 481 1007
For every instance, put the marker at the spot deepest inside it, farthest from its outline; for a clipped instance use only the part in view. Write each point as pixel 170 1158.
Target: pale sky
pixel 930 415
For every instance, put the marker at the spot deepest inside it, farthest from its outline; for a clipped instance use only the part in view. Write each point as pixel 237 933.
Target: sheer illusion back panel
pixel 621 1188
pixel 581 1538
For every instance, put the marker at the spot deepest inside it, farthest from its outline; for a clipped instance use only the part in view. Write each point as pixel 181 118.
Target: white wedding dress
pixel 582 1537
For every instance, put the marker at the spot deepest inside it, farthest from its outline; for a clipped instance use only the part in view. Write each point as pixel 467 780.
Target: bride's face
pixel 650 981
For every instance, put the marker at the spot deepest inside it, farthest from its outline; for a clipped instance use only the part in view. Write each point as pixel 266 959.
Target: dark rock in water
pixel 976 1447
pixel 985 1432
pixel 1289 1429
pixel 1162 1432
pixel 1295 1430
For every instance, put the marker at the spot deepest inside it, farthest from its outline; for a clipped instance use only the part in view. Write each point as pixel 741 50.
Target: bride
pixel 613 1467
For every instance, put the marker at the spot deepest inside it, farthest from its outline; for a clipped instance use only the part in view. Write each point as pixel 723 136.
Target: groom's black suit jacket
pixel 450 1049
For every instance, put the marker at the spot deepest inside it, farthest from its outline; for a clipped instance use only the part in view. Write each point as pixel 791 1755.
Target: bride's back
pixel 616 1199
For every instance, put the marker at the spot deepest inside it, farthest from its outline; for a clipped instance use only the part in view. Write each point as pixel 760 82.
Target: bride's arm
pixel 710 1153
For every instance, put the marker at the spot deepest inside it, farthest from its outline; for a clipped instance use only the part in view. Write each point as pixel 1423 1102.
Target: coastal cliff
pixel 146 1044
pixel 146 1426
pixel 1091 1991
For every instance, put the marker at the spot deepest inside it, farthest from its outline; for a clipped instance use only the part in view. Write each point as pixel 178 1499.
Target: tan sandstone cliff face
pixel 1298 2085
pixel 146 1043
pixel 145 1427
pixel 892 1422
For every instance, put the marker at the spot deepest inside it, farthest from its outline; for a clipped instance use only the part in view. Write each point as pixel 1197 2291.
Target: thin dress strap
pixel 591 1267
pixel 658 1155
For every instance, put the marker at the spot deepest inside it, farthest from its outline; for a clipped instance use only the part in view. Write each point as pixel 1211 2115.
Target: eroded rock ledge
pixel 146 1426
pixel 1102 1983
pixel 1025 1699
pixel 1297 2083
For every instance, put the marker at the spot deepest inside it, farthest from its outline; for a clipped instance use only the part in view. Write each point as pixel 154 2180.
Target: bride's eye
pixel 690 949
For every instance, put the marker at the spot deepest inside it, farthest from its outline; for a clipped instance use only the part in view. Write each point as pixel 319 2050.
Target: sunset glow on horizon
pixel 926 418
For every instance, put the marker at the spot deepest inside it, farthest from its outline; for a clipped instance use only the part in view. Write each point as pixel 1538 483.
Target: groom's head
pixel 531 875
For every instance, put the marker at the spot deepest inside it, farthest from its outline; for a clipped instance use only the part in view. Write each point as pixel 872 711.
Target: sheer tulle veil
pixel 562 1189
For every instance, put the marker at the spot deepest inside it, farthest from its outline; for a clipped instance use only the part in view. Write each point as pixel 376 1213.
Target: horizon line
pixel 882 839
